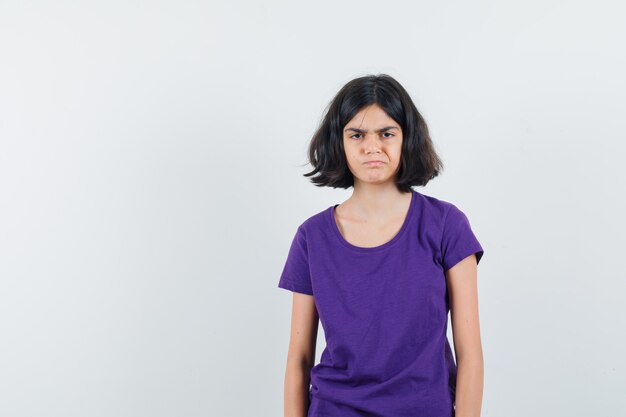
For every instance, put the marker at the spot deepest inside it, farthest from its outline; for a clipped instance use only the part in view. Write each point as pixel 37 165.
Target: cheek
pixel 350 152
pixel 395 152
pixel 399 149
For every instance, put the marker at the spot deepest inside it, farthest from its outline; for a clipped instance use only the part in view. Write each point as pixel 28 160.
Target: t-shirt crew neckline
pixel 395 239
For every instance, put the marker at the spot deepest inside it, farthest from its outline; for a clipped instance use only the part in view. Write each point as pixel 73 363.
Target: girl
pixel 380 271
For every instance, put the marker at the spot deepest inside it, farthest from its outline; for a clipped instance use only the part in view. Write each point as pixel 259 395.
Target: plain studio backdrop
pixel 151 161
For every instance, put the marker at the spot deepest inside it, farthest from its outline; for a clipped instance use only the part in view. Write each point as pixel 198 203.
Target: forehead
pixel 373 116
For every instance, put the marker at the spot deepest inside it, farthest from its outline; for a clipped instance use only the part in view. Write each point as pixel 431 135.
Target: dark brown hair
pixel 419 162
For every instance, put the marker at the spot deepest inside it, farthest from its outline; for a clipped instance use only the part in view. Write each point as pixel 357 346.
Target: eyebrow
pixel 384 129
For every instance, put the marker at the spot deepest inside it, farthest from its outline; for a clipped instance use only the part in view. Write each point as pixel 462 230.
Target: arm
pixel 463 292
pixel 301 355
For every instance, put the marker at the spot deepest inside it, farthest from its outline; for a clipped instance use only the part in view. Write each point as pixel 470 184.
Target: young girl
pixel 381 271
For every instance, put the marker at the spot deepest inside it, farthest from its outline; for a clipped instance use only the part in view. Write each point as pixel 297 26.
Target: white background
pixel 151 161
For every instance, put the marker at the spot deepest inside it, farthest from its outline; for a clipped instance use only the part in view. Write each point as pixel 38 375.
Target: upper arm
pixel 462 282
pixel 304 326
pixel 460 254
pixel 296 277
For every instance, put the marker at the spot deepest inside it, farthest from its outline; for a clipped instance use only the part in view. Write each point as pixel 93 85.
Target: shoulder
pixel 440 217
pixel 314 223
pixel 434 208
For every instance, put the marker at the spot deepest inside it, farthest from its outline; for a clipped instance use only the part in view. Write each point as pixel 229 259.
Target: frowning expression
pixel 373 143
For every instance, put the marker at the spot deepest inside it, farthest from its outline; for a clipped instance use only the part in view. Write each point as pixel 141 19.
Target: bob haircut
pixel 419 162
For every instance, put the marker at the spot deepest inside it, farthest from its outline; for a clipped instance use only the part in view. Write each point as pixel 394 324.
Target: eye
pixel 384 133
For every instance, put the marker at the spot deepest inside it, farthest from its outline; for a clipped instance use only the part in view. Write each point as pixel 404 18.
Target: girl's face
pixel 372 135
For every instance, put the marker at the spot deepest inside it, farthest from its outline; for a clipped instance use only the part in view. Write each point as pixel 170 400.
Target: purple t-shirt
pixel 384 311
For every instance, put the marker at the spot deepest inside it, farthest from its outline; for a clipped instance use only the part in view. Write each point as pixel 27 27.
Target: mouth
pixel 374 163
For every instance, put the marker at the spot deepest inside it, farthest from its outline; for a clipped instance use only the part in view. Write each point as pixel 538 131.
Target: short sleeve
pixel 458 240
pixel 296 275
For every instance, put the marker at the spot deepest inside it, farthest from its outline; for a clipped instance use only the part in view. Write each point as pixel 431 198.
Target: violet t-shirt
pixel 384 311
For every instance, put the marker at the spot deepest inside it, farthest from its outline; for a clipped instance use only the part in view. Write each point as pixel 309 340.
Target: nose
pixel 371 143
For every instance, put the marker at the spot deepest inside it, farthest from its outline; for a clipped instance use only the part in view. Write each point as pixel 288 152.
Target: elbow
pixel 472 357
pixel 300 360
